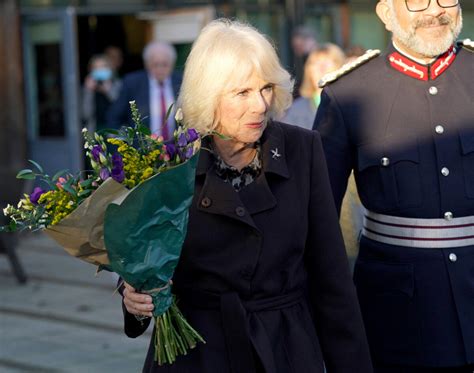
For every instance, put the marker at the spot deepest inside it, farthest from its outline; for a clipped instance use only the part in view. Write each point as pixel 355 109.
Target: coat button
pixel 439 129
pixel 240 211
pixel 445 171
pixel 433 91
pixel 448 215
pixel 453 257
pixel 206 202
pixel 385 161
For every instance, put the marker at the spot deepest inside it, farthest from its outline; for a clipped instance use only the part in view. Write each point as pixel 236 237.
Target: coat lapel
pixel 218 197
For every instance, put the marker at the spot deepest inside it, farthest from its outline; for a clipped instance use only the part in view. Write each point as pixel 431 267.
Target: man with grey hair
pixel 403 121
pixel 153 89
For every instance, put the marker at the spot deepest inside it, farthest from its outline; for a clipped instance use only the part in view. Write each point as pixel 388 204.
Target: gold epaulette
pixel 466 44
pixel 348 67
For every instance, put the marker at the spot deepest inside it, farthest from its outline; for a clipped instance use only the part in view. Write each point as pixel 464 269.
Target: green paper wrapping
pixel 144 233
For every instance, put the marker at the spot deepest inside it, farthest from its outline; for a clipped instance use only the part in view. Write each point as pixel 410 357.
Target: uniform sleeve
pixel 330 124
pixel 332 293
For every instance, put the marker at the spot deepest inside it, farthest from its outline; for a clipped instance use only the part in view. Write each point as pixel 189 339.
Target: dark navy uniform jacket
pixel 264 269
pixel 398 133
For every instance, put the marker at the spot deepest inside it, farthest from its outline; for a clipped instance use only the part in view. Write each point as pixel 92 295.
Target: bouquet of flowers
pixel 128 214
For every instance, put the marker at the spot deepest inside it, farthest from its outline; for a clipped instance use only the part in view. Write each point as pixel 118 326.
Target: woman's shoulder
pixel 289 130
pixel 295 136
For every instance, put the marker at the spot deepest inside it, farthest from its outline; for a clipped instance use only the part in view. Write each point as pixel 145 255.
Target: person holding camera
pixel 101 88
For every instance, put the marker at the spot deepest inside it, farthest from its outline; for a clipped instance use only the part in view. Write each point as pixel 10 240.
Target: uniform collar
pixel 273 152
pixel 414 69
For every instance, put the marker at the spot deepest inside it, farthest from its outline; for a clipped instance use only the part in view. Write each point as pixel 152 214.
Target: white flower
pixel 7 209
pixel 84 130
pixel 179 115
pixel 131 102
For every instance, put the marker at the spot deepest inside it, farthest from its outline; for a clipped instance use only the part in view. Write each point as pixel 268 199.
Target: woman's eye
pixel 243 93
pixel 268 88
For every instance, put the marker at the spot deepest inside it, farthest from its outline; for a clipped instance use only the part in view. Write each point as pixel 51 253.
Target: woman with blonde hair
pixel 263 275
pixel 321 61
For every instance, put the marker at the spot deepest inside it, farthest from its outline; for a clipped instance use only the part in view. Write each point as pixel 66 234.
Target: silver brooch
pixel 275 154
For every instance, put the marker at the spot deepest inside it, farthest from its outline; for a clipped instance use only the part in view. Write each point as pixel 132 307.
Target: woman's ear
pixel 383 10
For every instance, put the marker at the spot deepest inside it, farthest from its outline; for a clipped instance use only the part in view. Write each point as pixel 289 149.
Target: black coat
pixel 263 272
pixel 136 87
pixel 418 305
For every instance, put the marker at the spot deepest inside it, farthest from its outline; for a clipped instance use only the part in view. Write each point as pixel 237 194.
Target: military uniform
pixel 407 131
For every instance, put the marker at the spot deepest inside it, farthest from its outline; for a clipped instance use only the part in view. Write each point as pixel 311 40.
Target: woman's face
pixel 319 65
pixel 242 113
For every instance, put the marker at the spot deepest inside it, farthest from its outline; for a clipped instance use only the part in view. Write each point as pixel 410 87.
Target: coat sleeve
pixel 133 328
pixel 330 124
pixel 332 293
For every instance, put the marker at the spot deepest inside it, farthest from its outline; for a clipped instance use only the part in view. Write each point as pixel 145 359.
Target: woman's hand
pixel 137 304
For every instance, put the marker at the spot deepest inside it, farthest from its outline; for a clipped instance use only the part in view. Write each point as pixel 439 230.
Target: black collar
pixel 273 152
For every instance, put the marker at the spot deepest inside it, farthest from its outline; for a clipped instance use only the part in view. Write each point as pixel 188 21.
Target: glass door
pixel 52 89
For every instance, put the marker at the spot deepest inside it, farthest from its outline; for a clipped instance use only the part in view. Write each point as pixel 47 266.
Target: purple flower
pixel 189 152
pixel 182 140
pixel 104 173
pixel 192 135
pixel 35 196
pixel 171 150
pixel 117 168
pixel 96 150
pixel 117 160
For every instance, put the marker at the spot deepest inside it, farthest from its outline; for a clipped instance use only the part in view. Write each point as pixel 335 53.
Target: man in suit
pixel 153 89
pixel 403 121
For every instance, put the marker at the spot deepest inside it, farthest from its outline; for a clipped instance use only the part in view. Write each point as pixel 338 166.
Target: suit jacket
pixel 263 271
pixel 136 86
pixel 418 305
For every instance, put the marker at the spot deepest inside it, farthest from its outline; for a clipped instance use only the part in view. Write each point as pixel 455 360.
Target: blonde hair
pixel 327 51
pixel 225 54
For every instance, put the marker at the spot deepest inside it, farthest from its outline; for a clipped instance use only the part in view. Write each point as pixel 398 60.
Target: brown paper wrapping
pixel 81 233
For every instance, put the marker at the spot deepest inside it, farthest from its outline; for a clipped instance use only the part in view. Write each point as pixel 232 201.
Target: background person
pixel 303 42
pixel 153 89
pixel 101 88
pixel 327 58
pixel 263 275
pixel 403 122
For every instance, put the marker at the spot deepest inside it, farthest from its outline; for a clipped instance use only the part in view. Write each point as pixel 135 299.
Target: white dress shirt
pixel 155 106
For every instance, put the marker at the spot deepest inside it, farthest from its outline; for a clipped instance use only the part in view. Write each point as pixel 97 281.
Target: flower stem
pixel 173 336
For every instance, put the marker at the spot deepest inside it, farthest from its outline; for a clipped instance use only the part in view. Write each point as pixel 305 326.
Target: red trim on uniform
pixel 408 67
pixel 422 72
pixel 442 63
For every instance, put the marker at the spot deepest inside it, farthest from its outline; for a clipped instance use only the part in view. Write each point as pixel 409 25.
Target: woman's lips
pixel 255 124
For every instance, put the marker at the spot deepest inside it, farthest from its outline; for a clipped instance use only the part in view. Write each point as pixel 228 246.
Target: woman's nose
pixel 259 104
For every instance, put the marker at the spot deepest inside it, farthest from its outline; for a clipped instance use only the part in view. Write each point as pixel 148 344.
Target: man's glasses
pixel 421 5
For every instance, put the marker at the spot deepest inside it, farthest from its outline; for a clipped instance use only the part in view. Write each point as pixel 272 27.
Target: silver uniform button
pixel 453 257
pixel 445 171
pixel 433 91
pixel 439 129
pixel 385 161
pixel 448 215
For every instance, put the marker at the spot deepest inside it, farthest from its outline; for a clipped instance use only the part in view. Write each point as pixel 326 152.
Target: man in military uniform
pixel 404 122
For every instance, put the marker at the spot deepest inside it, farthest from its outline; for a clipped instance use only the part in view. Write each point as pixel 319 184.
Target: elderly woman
pixel 321 61
pixel 263 274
